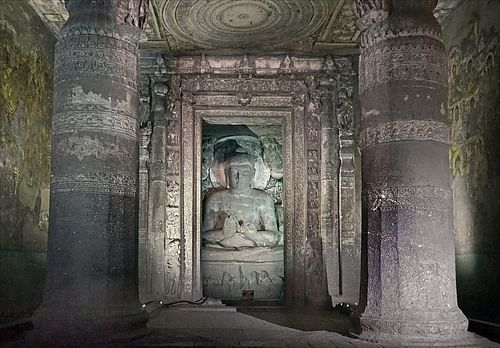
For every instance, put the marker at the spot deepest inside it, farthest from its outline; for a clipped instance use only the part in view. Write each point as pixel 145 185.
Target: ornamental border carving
pixel 208 107
pixel 382 32
pixel 123 33
pixel 404 130
pixel 377 24
pixel 92 41
pixel 95 121
pixel 99 182
pixel 388 63
pixel 407 198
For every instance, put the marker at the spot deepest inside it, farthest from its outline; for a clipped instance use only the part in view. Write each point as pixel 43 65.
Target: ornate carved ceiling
pixel 309 26
pixel 249 24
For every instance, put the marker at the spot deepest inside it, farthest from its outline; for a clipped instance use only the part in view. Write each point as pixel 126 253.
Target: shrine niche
pixel 284 125
pixel 242 236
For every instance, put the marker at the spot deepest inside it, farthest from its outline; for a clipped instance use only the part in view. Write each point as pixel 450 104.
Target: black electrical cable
pixel 200 301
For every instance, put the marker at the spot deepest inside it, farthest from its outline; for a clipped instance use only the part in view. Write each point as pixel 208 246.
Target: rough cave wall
pixel 471 35
pixel 26 61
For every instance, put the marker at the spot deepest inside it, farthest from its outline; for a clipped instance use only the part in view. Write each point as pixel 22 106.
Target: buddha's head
pixel 240 171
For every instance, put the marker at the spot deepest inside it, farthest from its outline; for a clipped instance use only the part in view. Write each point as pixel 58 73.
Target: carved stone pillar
pixel 91 282
pixel 411 295
pixel 330 185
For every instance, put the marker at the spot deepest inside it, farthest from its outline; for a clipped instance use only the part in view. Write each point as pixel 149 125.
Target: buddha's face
pixel 240 177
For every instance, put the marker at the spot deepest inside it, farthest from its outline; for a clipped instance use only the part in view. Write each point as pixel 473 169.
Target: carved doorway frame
pixel 318 93
pixel 265 101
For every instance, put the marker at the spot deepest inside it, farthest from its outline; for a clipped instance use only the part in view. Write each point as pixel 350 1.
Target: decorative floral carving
pixel 99 182
pixel 95 121
pixel 375 27
pixel 407 130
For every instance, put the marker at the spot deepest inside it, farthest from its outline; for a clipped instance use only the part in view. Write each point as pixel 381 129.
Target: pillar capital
pixel 381 20
pixel 117 18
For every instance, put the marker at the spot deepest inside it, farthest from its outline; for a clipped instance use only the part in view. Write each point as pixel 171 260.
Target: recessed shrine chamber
pixel 242 222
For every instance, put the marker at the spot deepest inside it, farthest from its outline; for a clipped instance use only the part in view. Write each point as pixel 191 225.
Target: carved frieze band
pixel 418 61
pixel 129 35
pixel 97 55
pixel 244 86
pixel 94 42
pixel 378 22
pixel 407 130
pixel 95 121
pixel 245 100
pixel 382 32
pixel 118 184
pixel 222 113
pixel 408 198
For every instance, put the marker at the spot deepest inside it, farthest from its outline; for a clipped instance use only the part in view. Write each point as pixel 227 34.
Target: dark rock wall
pixel 471 35
pixel 26 65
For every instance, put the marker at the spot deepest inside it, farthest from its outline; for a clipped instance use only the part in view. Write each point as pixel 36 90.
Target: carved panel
pixel 119 184
pixel 417 61
pixel 309 162
pixel 408 130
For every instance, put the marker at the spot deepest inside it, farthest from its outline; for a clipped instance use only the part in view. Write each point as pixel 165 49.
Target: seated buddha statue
pixel 239 216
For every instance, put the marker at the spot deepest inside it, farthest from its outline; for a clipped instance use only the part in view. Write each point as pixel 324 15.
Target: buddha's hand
pixel 231 226
pixel 247 229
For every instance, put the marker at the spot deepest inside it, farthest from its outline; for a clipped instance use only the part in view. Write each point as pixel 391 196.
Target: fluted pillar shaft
pixel 91 283
pixel 411 295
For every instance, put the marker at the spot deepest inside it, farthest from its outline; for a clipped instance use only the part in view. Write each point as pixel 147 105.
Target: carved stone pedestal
pixel 411 295
pixel 91 283
pixel 229 275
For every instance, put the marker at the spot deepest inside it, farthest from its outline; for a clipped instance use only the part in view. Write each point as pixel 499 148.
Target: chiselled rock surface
pixel 280 94
pixel 91 279
pixel 411 295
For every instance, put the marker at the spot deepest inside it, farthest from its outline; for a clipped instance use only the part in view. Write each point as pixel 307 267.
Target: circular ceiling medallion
pixel 244 23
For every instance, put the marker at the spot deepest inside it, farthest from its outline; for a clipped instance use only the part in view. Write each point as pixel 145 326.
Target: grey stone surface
pixel 288 93
pixel 91 282
pixel 471 37
pixel 410 257
pixel 26 69
pixel 172 327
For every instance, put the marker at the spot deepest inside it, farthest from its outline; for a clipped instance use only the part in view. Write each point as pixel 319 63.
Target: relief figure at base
pixel 239 216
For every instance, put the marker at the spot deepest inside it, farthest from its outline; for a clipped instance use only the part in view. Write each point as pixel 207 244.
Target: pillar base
pixel 437 329
pixel 56 329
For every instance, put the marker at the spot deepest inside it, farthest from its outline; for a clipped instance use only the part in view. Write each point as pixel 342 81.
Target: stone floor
pixel 226 327
pixel 218 326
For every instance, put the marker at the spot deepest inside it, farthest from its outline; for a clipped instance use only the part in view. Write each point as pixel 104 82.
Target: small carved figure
pixel 273 155
pixel 173 163
pixel 344 110
pixel 144 105
pixel 207 151
pixel 240 216
pixel 172 194
pixel 173 267
pixel 313 162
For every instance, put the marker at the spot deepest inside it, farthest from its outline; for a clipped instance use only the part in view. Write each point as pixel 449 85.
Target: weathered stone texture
pixel 471 36
pixel 91 281
pixel 410 296
pixel 26 50
pixel 304 97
